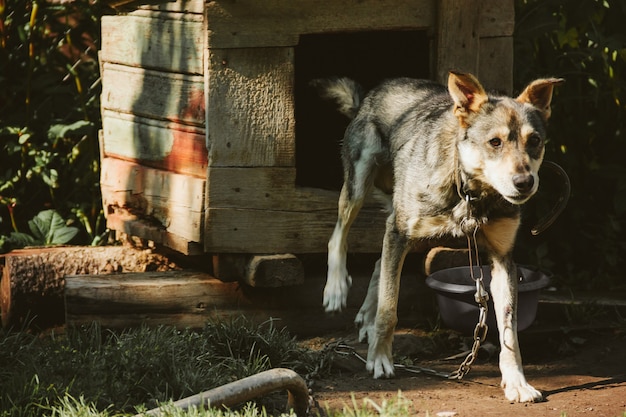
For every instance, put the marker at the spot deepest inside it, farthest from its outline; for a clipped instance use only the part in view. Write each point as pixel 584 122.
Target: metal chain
pixel 482 297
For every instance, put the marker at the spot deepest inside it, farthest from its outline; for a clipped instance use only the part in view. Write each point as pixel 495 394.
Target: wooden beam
pixel 458 39
pixel 249 23
pixel 272 231
pixel 277 270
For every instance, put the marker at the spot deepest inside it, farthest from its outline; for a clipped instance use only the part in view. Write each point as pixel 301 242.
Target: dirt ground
pixel 581 373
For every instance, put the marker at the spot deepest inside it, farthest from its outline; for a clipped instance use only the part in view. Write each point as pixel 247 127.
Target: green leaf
pixel 49 228
pixel 76 129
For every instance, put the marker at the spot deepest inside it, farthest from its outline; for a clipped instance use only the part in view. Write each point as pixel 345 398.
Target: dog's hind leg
pixel 395 248
pixel 504 291
pixel 365 318
pixel 362 154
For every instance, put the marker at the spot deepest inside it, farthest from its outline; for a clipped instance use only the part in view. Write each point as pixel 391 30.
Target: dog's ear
pixel 467 93
pixel 539 94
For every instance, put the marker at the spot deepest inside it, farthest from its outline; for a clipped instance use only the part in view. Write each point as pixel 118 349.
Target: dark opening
pixel 368 58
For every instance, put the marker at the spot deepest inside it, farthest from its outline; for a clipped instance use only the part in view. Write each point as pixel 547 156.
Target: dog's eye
pixel 534 140
pixel 495 142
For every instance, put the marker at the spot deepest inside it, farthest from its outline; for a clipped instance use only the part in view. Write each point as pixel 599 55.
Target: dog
pixel 453 162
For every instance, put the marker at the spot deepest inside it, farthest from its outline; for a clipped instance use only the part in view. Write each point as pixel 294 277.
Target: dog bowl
pixel 455 291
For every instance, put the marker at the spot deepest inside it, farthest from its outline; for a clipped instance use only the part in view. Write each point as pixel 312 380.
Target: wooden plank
pixel 268 188
pixel 457 37
pixel 175 201
pixel 163 145
pixel 171 42
pixel 496 63
pixel 271 231
pixel 497 18
pixel 154 94
pixel 250 23
pixel 251 107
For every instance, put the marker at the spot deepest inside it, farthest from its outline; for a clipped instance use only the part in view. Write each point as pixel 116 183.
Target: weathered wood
pixel 458 39
pixel 181 298
pixel 269 188
pixel 173 42
pixel 497 18
pixel 273 231
pixel 175 201
pixel 496 64
pixel 277 270
pixel 158 95
pixel 251 107
pixel 122 221
pixel 32 279
pixel 249 23
pixel 182 6
pixel 153 143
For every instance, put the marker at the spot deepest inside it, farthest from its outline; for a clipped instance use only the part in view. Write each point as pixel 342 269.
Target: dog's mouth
pixel 519 198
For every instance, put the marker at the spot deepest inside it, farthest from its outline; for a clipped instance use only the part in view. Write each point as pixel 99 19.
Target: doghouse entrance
pixel 368 58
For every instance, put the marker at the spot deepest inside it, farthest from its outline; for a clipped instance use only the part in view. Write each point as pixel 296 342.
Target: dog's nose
pixel 523 182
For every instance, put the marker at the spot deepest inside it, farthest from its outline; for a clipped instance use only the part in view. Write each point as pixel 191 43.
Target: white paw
pixel 521 392
pixel 336 293
pixel 380 359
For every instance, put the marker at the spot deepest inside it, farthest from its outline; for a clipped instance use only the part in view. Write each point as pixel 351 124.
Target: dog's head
pixel 505 137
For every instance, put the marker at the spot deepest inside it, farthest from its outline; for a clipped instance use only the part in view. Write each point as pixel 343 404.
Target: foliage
pixel 47 228
pixel 583 42
pixel 116 371
pixel 49 112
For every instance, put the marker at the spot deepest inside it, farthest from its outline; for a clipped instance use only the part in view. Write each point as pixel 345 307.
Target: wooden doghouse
pixel 209 142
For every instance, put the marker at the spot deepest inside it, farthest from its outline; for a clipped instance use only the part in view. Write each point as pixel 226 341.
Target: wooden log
pixel 186 298
pixel 33 279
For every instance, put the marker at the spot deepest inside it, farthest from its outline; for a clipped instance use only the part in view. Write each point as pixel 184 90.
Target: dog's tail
pixel 347 94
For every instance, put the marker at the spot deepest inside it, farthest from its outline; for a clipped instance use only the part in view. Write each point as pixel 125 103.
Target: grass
pixel 92 372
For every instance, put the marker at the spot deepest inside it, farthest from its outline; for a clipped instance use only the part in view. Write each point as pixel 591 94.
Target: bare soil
pixel 581 373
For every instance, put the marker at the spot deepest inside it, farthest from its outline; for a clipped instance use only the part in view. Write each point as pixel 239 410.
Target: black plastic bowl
pixel 455 296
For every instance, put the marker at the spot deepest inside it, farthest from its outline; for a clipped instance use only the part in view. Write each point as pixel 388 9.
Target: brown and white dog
pixel 453 162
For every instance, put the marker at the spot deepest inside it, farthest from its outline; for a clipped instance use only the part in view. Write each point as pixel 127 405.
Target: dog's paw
pixel 381 366
pixel 366 328
pixel 380 359
pixel 522 392
pixel 336 293
pixel 365 321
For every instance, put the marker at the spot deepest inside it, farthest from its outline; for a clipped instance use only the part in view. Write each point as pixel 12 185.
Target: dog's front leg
pixel 379 355
pixel 504 282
